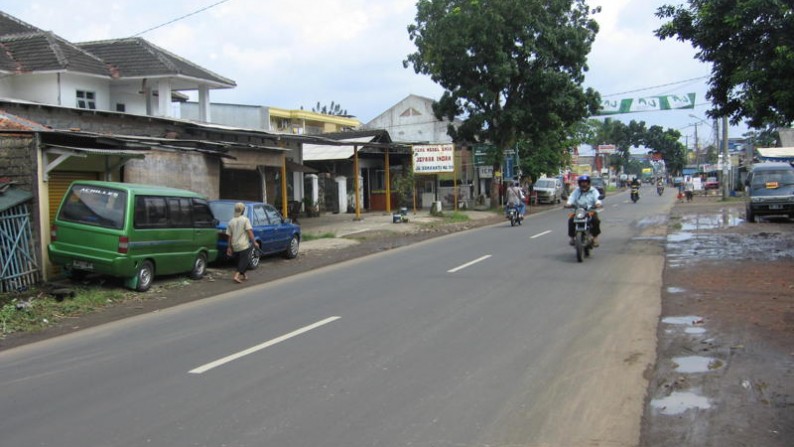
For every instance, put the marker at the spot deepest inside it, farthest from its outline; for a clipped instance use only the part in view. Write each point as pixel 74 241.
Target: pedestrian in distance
pixel 241 241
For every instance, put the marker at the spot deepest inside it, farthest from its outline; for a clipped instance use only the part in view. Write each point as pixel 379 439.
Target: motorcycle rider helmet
pixel 583 179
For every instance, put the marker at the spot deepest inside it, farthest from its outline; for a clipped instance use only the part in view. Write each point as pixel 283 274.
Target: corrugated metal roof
pixel 12 197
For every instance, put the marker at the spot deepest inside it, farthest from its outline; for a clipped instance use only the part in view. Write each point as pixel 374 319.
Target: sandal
pixel 237 280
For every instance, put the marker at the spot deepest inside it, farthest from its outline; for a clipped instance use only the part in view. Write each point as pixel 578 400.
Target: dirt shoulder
pixel 725 353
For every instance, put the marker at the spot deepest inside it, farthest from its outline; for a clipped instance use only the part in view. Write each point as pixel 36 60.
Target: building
pixel 125 75
pixel 272 119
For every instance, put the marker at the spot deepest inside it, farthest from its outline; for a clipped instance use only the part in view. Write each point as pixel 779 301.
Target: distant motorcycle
pixel 583 238
pixel 660 189
pixel 511 213
pixel 635 193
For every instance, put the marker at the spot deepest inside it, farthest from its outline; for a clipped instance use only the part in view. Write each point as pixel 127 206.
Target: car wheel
pixel 253 264
pixel 199 266
pixel 145 276
pixel 750 215
pixel 292 249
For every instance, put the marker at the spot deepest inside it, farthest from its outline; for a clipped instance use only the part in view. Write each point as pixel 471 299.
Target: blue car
pixel 273 232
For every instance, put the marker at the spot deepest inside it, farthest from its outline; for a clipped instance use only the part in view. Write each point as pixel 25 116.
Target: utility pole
pixel 725 159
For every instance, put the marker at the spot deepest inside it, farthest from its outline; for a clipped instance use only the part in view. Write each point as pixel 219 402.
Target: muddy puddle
pixel 708 237
pixel 679 402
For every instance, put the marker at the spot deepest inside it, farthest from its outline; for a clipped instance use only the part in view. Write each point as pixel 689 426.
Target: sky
pixel 294 54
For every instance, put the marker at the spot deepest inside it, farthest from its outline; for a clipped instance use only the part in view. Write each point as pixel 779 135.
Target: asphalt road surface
pixel 494 336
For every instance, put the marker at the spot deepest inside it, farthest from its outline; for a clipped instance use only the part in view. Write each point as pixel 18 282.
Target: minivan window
pixel 772 179
pixel 94 205
pixel 150 212
pixel 202 215
pixel 179 212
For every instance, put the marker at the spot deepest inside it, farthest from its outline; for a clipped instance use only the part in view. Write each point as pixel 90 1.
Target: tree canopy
pixel 750 44
pixel 657 139
pixel 333 109
pixel 512 69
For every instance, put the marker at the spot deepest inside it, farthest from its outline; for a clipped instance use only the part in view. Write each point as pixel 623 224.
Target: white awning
pixel 319 152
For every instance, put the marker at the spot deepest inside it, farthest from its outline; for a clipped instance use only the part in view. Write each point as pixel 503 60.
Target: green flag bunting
pixel 647 104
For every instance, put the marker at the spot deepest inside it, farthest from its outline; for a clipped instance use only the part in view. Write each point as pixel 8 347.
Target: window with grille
pixel 86 100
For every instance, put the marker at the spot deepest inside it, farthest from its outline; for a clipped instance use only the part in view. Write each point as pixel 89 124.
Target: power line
pixel 656 86
pixel 180 18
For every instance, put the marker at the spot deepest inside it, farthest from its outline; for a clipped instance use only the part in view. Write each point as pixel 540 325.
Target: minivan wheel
pixel 199 266
pixel 145 276
pixel 292 250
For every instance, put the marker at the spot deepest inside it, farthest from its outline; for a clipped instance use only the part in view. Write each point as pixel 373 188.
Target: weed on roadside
pixel 36 309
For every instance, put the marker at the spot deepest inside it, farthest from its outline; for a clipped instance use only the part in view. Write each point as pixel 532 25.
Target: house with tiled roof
pixel 128 75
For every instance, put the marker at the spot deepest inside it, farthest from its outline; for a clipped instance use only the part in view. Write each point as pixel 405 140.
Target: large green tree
pixel 512 69
pixel 750 44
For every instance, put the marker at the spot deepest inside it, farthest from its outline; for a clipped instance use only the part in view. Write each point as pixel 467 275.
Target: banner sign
pixel 647 104
pixel 606 149
pixel 433 158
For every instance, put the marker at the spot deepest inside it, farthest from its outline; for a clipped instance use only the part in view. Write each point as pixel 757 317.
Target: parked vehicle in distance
pixel 678 181
pixel 548 190
pixel 769 190
pixel 711 183
pixel 599 184
pixel 133 232
pixel 273 232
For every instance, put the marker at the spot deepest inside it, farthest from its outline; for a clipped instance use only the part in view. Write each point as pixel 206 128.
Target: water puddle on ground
pixel 679 402
pixel 697 364
pixel 694 325
pixel 703 237
pixel 725 218
pixel 676 290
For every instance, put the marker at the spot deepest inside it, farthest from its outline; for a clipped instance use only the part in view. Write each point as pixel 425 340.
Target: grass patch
pixel 314 236
pixel 455 217
pixel 35 309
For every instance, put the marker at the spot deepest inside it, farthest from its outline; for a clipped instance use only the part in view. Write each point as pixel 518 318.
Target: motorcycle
pixel 635 193
pixel 583 238
pixel 660 190
pixel 511 213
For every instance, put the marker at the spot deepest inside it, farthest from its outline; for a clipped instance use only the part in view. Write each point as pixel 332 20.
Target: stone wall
pixel 18 161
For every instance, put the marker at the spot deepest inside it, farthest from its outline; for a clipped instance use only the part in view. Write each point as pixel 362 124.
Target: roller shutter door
pixel 59 182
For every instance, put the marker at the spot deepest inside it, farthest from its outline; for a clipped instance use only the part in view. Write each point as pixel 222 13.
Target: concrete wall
pixel 191 171
pixel 235 115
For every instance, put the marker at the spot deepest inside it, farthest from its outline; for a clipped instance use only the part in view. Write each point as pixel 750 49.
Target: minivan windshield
pixel 94 205
pixel 545 184
pixel 772 179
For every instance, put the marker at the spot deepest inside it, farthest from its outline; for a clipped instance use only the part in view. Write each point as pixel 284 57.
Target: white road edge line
pixel 541 234
pixel 461 267
pixel 204 368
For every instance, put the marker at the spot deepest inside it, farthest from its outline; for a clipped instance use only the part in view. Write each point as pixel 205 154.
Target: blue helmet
pixel 583 178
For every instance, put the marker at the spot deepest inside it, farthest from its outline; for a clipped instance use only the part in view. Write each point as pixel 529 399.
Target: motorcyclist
pixel 514 198
pixel 587 197
pixel 635 183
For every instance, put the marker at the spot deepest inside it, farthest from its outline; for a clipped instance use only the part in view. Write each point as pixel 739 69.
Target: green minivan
pixel 133 232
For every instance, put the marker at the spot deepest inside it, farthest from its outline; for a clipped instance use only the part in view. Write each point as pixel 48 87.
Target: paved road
pixel 495 336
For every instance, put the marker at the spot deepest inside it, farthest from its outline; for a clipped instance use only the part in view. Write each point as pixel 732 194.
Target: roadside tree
pixel 750 45
pixel 513 69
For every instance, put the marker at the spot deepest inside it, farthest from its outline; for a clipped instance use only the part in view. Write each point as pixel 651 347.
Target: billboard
pixel 433 158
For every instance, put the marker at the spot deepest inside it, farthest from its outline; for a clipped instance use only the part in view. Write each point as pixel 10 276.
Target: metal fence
pixel 19 268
